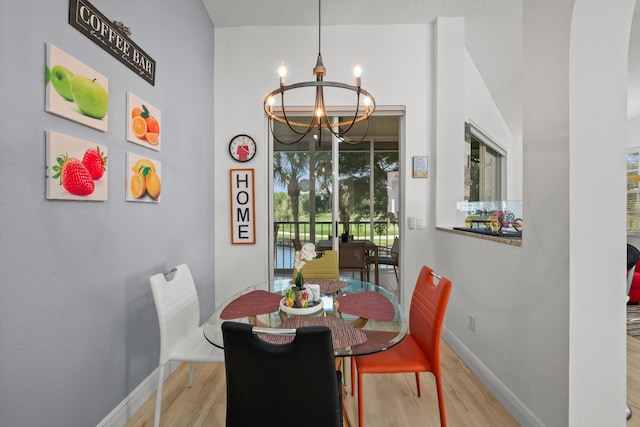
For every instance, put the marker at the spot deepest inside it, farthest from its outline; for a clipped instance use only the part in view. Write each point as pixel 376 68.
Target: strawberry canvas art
pixel 76 169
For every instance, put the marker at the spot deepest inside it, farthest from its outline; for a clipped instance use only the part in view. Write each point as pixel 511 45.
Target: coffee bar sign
pixel 97 27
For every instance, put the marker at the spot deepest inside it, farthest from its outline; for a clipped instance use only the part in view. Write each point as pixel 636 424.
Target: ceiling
pixel 493 34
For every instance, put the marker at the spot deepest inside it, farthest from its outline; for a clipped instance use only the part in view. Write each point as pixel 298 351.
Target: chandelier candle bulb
pixel 357 71
pixel 283 72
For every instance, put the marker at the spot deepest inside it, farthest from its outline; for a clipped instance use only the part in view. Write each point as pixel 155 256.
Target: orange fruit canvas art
pixel 144 123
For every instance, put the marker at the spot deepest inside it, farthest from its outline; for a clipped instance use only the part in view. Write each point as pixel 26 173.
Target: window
pixel 483 167
pixel 633 193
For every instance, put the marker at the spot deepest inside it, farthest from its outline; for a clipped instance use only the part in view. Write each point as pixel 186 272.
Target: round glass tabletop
pixel 363 318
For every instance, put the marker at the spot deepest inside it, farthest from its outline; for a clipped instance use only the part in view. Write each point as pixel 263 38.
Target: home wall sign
pixel 243 225
pixel 106 34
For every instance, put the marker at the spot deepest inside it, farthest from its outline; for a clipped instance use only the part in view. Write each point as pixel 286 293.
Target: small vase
pixel 301 298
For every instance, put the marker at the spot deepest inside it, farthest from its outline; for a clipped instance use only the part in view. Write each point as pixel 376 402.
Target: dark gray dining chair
pixel 283 385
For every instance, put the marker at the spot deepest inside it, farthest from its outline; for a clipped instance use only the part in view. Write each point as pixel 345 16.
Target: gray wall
pixel 78 327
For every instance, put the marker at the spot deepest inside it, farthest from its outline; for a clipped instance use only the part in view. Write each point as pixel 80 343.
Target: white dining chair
pixel 181 335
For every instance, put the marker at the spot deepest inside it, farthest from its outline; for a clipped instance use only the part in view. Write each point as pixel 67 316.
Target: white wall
pixel 538 338
pixel 480 107
pixel 247 60
pixel 404 75
pixel 505 350
pixel 537 341
pixel 449 59
pixel 514 170
pixel 462 96
pixel 598 110
pixel 633 133
pixel 482 111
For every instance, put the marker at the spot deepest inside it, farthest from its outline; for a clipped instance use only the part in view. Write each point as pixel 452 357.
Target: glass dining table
pixel 363 318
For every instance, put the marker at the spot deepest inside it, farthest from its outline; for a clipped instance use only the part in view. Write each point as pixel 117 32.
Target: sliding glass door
pixel 325 187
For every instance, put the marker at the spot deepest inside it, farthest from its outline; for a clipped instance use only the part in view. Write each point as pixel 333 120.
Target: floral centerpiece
pixel 307 253
pixel 297 292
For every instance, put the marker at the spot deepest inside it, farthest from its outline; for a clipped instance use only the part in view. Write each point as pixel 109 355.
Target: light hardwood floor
pixel 390 400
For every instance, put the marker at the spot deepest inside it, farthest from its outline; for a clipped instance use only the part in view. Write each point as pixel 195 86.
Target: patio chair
pixel 390 257
pixel 353 257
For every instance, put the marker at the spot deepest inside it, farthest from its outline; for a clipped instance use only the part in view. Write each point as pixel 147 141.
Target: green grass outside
pixel 359 231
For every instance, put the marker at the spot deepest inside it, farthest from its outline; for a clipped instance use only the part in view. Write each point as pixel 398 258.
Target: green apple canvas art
pixel 61 81
pixel 76 169
pixel 75 91
pixel 89 96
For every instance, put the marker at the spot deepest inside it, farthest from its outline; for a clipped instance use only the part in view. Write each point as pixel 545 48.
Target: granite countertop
pixel 514 241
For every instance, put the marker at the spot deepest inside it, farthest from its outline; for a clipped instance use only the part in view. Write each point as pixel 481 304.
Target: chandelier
pixel 365 104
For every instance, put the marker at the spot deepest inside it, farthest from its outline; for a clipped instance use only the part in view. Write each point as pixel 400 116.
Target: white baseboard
pixel 134 401
pixel 500 391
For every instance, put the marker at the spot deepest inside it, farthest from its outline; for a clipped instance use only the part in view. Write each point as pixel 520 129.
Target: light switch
pixel 419 223
pixel 412 222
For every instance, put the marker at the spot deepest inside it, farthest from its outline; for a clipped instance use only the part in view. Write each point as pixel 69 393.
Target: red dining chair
pixel 419 351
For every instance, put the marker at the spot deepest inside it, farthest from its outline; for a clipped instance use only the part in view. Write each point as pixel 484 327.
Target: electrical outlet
pixel 472 322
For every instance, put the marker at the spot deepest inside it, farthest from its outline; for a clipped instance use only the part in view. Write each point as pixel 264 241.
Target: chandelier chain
pixel 319 26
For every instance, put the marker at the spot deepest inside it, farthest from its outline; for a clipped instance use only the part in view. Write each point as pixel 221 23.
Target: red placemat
pixel 342 334
pixel 369 305
pixel 252 304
